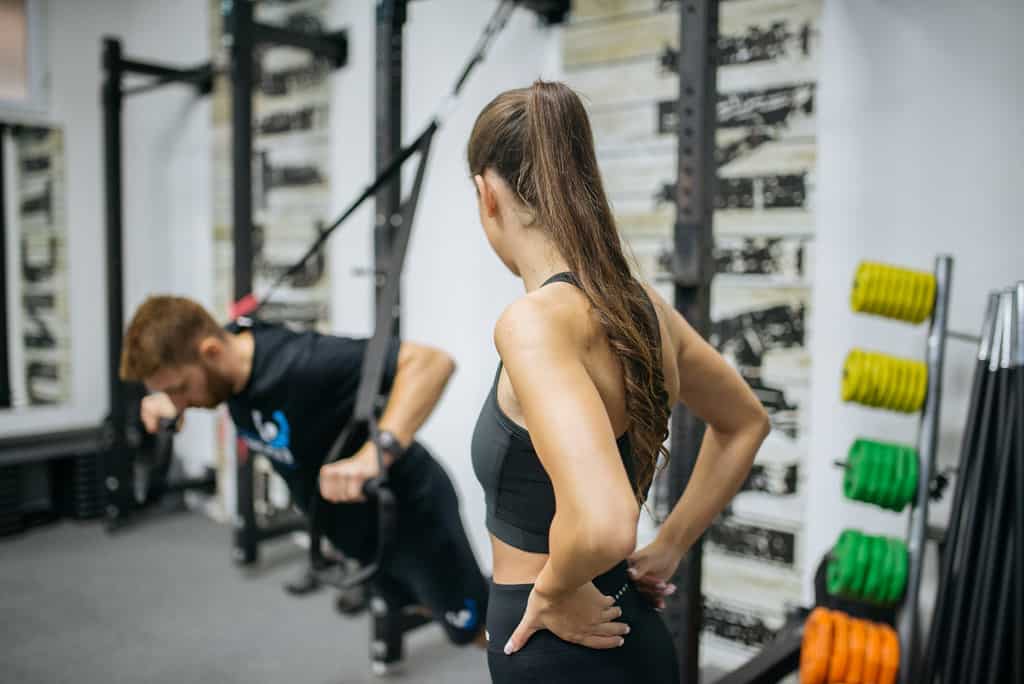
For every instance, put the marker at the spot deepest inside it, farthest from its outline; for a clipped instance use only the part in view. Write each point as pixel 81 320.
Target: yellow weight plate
pixel 875 380
pixel 859 289
pixel 914 296
pixel 929 298
pixel 903 380
pixel 920 386
pixel 892 290
pixel 905 296
pixel 847 382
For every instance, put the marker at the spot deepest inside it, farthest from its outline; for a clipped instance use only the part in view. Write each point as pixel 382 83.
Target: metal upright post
pixel 116 460
pixel 238 24
pixel 692 270
pixel 1017 561
pixel 927 448
pixel 5 371
pixel 388 107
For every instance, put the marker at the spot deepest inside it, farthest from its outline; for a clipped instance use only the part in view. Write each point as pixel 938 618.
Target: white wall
pixel 920 146
pixel 454 286
pixel 166 167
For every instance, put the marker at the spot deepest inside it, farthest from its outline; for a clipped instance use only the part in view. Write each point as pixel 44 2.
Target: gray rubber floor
pixel 162 602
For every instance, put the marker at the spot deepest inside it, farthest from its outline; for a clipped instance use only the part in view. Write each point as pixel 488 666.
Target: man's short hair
pixel 165 333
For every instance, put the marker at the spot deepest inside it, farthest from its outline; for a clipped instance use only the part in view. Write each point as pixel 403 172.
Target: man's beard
pixel 218 387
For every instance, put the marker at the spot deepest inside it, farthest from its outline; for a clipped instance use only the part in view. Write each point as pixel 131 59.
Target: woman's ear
pixel 485 193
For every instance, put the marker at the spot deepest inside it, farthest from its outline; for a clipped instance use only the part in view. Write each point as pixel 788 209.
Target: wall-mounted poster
pixel 290 167
pixel 35 229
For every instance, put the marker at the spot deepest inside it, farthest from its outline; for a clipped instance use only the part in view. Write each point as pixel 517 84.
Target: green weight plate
pixel 897 502
pixel 834 576
pixel 843 550
pixel 910 493
pixel 871 483
pixel 853 461
pixel 893 588
pixel 835 567
pixel 899 580
pixel 872 582
pixel 893 483
pixel 886 475
pixel 861 560
pixel 887 571
pixel 861 471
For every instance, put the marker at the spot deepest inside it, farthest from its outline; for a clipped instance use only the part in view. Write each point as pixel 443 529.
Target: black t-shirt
pixel 300 396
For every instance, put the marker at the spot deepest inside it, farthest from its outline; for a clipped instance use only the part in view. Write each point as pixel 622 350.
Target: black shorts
pixel 431 562
pixel 648 654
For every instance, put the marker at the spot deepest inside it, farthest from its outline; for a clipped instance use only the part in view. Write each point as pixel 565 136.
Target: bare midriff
pixel 514 566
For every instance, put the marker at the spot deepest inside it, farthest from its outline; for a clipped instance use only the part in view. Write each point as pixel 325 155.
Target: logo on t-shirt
pixel 463 619
pixel 273 437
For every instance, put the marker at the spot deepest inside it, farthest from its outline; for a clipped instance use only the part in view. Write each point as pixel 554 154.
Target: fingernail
pixel 661 585
pixel 508 647
pixel 632 572
pixel 671 589
pixel 627 629
pixel 621 641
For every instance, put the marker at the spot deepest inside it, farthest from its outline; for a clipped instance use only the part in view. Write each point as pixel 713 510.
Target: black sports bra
pixel 518 492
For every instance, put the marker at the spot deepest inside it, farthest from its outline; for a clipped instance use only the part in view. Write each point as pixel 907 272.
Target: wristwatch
pixel 387 441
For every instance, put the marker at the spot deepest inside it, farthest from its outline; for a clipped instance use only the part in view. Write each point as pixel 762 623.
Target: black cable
pixel 249 305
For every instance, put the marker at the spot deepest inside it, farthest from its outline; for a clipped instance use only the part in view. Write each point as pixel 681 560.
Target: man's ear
pixel 488 199
pixel 211 349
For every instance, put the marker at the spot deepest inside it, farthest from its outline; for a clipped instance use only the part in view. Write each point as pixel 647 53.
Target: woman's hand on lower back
pixel 585 616
pixel 651 568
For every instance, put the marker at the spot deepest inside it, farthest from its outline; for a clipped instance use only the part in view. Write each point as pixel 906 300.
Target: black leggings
pixel 431 562
pixel 648 654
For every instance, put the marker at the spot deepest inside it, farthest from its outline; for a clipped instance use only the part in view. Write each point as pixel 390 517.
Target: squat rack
pixel 243 35
pixel 121 438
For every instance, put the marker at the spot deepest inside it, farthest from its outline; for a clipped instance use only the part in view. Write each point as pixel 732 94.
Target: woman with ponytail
pixel 566 445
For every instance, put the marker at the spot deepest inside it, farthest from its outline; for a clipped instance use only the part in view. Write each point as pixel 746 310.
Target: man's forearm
pixel 416 390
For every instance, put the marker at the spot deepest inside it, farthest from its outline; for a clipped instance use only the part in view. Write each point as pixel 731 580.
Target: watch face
pixel 389 442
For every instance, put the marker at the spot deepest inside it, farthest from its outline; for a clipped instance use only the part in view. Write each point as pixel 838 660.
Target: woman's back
pixel 575 321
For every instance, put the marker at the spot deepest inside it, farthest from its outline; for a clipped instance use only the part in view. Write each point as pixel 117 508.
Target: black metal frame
pixel 5 369
pixel 121 437
pixel 692 266
pixel 247 35
pixel 391 16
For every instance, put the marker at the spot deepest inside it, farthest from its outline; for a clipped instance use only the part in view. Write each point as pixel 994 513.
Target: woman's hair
pixel 538 139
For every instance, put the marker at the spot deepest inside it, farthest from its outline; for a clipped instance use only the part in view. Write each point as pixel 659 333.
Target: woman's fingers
pixel 612 613
pixel 602 642
pixel 610 629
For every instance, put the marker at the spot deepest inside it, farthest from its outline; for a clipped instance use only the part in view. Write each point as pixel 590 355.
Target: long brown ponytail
pixel 538 140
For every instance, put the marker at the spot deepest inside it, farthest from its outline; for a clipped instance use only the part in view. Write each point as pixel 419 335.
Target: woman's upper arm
pixel 564 413
pixel 707 384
